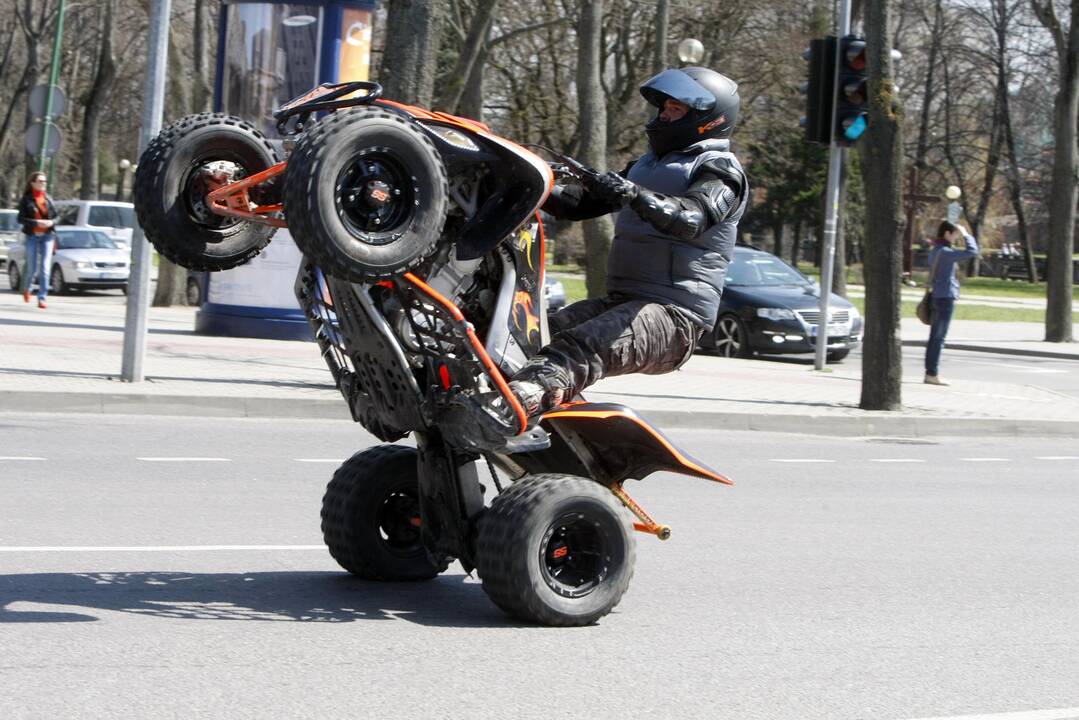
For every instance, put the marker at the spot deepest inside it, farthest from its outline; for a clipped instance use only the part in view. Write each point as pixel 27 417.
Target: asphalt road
pixel 840 578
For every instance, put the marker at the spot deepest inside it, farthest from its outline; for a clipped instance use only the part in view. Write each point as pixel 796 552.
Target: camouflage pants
pixel 613 335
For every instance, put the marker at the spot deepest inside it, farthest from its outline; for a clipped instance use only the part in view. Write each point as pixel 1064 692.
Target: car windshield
pixel 9 221
pixel 115 216
pixel 83 239
pixel 762 270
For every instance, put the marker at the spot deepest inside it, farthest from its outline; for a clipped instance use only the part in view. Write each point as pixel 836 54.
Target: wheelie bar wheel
pixel 365 195
pixel 371 516
pixel 186 161
pixel 556 550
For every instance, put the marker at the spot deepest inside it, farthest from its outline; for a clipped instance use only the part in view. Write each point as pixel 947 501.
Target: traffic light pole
pixel 138 294
pixel 836 157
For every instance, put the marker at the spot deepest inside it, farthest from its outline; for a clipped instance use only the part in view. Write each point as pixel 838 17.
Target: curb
pixel 884 424
pixel 997 350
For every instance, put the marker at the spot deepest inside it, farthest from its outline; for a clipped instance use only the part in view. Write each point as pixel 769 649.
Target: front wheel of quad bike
pixel 555 550
pixel 190 158
pixel 365 195
pixel 371 517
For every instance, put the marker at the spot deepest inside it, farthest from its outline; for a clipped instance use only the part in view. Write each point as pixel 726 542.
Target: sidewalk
pixel 68 358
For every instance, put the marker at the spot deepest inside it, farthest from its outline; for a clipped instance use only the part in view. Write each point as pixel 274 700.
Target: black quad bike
pixel 423 282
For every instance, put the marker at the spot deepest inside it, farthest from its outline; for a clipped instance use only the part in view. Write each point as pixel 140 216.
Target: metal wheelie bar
pixel 646 524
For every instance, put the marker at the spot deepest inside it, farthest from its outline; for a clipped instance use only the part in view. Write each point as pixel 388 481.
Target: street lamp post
pixel 690 52
pixel 124 165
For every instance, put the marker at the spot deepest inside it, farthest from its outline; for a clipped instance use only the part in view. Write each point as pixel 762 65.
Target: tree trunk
pixel 882 155
pixel 203 93
pixel 659 59
pixel 471 105
pixel 796 243
pixel 469 55
pixel 777 234
pixel 407 70
pixel 592 105
pixel 1062 197
pixel 839 261
pixel 95 104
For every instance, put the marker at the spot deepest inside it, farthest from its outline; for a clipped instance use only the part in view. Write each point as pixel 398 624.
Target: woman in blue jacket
pixel 944 288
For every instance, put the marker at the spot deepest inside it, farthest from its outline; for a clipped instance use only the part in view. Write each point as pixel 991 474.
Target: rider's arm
pixel 572 202
pixel 711 198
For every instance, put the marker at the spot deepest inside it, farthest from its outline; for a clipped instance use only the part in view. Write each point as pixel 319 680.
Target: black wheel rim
pixel 57 281
pixel 399 522
pixel 375 196
pixel 204 176
pixel 13 276
pixel 728 337
pixel 574 555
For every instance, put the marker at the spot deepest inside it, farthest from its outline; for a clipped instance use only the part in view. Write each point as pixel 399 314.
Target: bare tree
pixel 882 159
pixel 592 108
pixel 406 70
pixel 104 74
pixel 1062 197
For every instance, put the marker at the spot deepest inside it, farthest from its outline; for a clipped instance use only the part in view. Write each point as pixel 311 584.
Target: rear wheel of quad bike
pixel 555 550
pixel 365 195
pixel 174 177
pixel 371 516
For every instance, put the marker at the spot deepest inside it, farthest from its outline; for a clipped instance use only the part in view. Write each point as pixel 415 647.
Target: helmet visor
pixel 676 85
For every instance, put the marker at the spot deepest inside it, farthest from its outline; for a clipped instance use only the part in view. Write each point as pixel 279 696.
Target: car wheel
pixel 56 281
pixel 13 279
pixel 730 337
pixel 835 356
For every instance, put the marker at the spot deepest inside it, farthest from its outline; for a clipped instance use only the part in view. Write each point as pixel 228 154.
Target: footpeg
pixel 646 524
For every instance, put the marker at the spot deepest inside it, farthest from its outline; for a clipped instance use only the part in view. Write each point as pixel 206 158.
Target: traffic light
pixel 819 90
pixel 852 98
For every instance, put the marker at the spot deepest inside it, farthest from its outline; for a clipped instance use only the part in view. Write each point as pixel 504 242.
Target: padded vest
pixel 649 264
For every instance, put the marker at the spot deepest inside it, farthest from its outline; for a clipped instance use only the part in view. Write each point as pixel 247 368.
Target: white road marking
pixel 19 457
pixel 1057 457
pixel 982 459
pixel 896 460
pixel 1059 714
pixel 318 460
pixel 801 460
pixel 183 459
pixel 151 548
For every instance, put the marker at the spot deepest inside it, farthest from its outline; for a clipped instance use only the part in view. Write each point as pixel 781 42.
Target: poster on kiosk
pixel 269 53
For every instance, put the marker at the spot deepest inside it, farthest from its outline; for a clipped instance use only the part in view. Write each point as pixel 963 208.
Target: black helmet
pixel 713 107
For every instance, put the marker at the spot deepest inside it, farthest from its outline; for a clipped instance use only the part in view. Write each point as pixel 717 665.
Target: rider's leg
pixel 632 336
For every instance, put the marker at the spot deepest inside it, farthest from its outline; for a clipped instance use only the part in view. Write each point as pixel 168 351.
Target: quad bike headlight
pixel 454 137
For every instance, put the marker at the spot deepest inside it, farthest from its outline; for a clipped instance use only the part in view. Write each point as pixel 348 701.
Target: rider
pixel 678 209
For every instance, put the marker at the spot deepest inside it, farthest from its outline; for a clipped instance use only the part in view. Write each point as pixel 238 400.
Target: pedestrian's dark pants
pixel 613 335
pixel 938 330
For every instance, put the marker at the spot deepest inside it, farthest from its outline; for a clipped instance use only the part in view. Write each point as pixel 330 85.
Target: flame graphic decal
pixel 525 316
pixel 524 244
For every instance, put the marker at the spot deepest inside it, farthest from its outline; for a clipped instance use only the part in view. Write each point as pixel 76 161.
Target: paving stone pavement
pixel 68 358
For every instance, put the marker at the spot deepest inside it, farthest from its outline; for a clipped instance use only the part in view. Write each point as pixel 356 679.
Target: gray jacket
pixel 647 263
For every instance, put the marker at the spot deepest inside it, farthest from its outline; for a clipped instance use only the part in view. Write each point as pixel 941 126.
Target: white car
pixel 84 258
pixel 10 232
pixel 116 219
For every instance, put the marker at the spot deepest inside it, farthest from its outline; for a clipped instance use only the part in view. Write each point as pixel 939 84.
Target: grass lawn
pixel 575 290
pixel 974 286
pixel 972 312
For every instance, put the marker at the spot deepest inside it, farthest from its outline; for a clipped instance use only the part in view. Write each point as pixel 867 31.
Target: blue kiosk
pixel 269 53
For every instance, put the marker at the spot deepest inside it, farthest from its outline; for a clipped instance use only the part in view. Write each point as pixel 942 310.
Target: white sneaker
pixel 935 380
